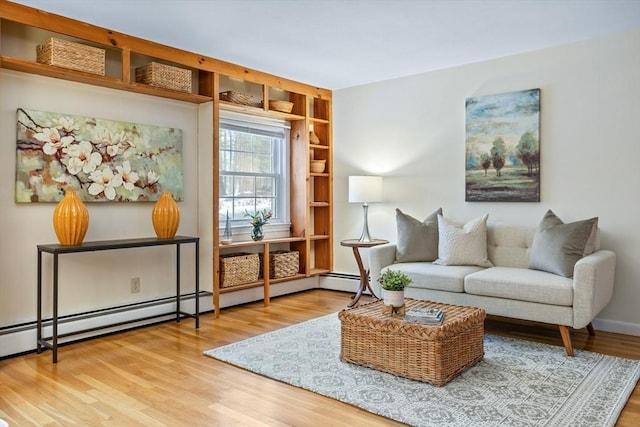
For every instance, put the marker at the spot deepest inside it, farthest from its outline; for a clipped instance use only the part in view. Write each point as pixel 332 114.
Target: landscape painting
pixel 102 160
pixel 503 147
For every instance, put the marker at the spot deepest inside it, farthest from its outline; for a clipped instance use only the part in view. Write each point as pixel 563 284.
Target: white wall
pixel 412 131
pixel 90 281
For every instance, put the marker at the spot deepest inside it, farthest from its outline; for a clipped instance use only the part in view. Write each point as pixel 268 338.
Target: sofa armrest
pixel 379 257
pixel 593 280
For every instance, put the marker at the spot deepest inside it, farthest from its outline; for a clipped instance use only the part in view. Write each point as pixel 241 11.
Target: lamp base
pixel 365 236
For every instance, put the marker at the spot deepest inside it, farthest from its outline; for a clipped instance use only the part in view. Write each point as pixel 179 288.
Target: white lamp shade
pixel 365 189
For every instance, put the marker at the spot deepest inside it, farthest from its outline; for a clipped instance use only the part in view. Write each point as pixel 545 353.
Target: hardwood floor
pixel 157 376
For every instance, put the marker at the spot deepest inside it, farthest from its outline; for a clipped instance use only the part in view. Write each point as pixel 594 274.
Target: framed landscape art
pixel 102 160
pixel 502 161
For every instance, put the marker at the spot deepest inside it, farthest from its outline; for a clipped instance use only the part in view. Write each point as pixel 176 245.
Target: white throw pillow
pixel 463 244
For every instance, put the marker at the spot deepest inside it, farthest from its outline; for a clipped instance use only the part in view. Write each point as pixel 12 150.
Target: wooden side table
pixel 356 244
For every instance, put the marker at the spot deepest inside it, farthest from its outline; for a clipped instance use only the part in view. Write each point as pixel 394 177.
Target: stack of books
pixel 429 316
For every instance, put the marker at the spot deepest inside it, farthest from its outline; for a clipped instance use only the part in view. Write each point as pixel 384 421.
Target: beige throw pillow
pixel 463 244
pixel 417 241
pixel 558 246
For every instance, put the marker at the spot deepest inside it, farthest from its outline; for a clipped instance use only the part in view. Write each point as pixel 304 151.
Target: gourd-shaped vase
pixel 70 219
pixel 165 216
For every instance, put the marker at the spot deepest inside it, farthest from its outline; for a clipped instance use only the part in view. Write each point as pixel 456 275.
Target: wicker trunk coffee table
pixel 431 353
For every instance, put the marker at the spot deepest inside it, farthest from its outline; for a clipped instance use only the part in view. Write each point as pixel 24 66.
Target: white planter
pixel 393 298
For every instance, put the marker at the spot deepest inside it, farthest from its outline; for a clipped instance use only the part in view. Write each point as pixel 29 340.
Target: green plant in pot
pixel 393 283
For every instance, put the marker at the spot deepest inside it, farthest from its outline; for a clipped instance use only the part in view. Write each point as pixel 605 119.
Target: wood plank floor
pixel 157 376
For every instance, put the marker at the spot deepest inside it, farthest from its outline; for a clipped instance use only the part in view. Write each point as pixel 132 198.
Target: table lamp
pixel 365 189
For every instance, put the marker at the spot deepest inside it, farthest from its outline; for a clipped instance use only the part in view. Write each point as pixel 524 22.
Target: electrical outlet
pixel 135 285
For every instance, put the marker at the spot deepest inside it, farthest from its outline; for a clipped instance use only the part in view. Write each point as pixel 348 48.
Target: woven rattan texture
pixel 74 56
pixel 429 353
pixel 238 269
pixel 164 76
pixel 284 264
pixel 236 97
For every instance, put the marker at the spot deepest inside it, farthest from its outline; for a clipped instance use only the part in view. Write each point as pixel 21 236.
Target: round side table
pixel 356 244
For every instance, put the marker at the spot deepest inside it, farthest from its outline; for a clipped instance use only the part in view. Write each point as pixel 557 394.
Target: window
pixel 253 167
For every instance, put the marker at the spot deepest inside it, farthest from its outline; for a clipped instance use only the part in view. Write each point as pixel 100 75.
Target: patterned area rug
pixel 518 383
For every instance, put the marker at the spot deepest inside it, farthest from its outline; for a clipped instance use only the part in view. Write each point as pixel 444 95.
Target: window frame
pixel 235 122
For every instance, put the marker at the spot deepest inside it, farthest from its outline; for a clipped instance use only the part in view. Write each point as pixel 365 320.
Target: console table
pixel 56 250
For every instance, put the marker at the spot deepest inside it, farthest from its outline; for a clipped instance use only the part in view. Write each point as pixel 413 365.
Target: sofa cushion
pixel 417 241
pixel 509 245
pixel 521 284
pixel 463 244
pixel 428 275
pixel 558 246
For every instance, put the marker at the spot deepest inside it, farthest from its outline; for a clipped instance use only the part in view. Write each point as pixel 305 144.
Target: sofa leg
pixel 592 331
pixel 566 339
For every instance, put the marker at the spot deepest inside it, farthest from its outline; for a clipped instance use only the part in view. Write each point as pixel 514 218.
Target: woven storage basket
pixel 238 269
pixel 429 353
pixel 164 76
pixel 282 106
pixel 283 264
pixel 317 166
pixel 74 56
pixel 236 97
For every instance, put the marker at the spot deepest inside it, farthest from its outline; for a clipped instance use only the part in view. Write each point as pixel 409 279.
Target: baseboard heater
pixel 21 338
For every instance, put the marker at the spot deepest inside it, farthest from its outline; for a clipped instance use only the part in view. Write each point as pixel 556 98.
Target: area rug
pixel 518 383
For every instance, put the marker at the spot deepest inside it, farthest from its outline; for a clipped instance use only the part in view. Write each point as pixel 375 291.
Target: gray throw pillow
pixel 558 246
pixel 417 241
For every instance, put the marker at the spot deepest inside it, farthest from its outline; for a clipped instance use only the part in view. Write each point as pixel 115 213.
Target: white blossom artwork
pixel 103 160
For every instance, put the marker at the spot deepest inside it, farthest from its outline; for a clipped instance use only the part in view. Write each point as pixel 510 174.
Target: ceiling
pixel 342 43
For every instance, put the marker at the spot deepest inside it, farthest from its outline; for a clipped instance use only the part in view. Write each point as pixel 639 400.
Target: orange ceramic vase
pixel 165 216
pixel 70 219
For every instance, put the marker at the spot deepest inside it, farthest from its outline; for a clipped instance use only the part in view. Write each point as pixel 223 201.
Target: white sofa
pixel 510 288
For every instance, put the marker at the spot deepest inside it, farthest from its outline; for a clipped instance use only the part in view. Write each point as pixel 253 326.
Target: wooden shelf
pixel 318 147
pixel 257 111
pixel 241 287
pixel 319 237
pixel 286 279
pixel 319 204
pixel 316 120
pixel 318 271
pixel 246 243
pixel 78 76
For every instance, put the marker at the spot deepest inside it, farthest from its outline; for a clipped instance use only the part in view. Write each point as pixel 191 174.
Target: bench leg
pixel 592 331
pixel 566 339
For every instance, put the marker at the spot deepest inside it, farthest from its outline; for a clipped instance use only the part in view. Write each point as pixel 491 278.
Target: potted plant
pixel 393 283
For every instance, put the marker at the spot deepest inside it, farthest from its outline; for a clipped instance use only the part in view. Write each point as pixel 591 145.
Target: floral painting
pixel 103 160
pixel 503 147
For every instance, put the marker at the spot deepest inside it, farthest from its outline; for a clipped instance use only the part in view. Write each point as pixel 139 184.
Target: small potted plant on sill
pixel 393 283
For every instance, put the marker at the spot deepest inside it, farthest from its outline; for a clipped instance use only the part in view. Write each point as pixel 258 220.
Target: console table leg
pixel 54 339
pixel 178 282
pixel 39 292
pixel 198 285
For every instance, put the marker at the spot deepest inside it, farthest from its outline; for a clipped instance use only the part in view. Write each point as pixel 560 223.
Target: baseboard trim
pixel 616 327
pixel 21 338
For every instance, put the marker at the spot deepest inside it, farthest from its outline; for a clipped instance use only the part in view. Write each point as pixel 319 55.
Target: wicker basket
pixel 317 166
pixel 74 56
pixel 164 76
pixel 313 138
pixel 282 106
pixel 429 353
pixel 238 269
pixel 236 97
pixel 283 264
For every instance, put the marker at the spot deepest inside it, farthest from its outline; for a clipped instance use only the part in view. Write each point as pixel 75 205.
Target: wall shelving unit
pixel 22 28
